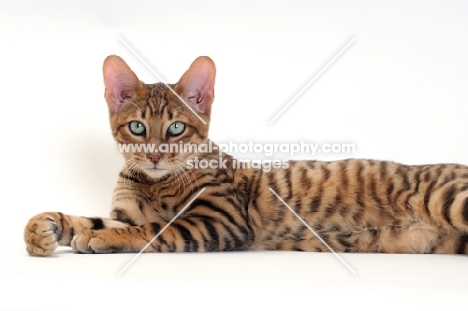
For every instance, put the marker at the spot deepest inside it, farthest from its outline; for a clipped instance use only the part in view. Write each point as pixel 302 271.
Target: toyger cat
pixel 353 205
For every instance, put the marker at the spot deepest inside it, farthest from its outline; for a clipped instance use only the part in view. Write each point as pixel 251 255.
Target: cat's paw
pixel 40 235
pixel 92 242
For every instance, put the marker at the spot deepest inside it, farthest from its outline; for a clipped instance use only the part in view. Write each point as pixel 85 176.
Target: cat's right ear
pixel 120 81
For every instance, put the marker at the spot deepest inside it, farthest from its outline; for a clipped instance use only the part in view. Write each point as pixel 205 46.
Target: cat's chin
pixel 156 173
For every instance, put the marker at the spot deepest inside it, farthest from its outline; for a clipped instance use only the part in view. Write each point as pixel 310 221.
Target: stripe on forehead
pixel 156 99
pixel 161 102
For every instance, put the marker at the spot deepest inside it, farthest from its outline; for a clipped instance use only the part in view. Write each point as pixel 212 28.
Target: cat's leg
pixel 462 244
pixel 191 234
pixel 447 205
pixel 310 245
pixel 453 243
pixel 44 232
pixel 412 238
pixel 335 241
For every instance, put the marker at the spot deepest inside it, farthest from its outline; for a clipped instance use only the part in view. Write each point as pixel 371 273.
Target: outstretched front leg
pixel 44 232
pixel 195 233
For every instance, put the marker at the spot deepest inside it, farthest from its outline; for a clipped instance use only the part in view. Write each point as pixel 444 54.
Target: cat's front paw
pixel 92 242
pixel 40 235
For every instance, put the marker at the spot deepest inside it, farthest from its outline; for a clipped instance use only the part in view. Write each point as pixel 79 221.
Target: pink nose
pixel 154 157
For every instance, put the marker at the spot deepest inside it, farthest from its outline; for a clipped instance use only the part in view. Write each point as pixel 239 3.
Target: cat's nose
pixel 154 157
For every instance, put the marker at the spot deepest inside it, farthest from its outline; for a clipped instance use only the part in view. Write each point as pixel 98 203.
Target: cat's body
pixel 353 205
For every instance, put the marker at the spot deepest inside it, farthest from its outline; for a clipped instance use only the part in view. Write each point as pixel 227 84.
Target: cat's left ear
pixel 196 86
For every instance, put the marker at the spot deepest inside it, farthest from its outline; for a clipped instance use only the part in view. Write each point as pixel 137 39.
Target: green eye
pixel 176 128
pixel 137 128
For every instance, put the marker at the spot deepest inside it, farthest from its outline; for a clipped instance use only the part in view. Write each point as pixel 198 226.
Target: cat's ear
pixel 120 81
pixel 196 86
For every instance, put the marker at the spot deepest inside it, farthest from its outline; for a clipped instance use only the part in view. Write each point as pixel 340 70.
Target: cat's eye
pixel 137 128
pixel 176 128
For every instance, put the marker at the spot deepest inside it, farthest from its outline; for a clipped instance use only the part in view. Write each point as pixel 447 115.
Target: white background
pixel 399 92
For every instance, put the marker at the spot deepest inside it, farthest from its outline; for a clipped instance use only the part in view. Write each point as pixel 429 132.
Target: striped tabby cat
pixel 353 205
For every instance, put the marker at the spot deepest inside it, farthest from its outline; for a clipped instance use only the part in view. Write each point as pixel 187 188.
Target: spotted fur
pixel 353 205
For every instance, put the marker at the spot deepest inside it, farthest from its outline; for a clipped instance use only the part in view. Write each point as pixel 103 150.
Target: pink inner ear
pixel 120 81
pixel 196 86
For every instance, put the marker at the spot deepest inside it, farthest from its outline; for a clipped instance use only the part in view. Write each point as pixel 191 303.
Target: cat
pixel 352 205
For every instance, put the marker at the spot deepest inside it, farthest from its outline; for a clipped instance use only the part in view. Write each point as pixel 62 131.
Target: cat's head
pixel 145 116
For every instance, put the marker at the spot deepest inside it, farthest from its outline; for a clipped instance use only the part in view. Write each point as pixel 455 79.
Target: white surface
pixel 399 93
